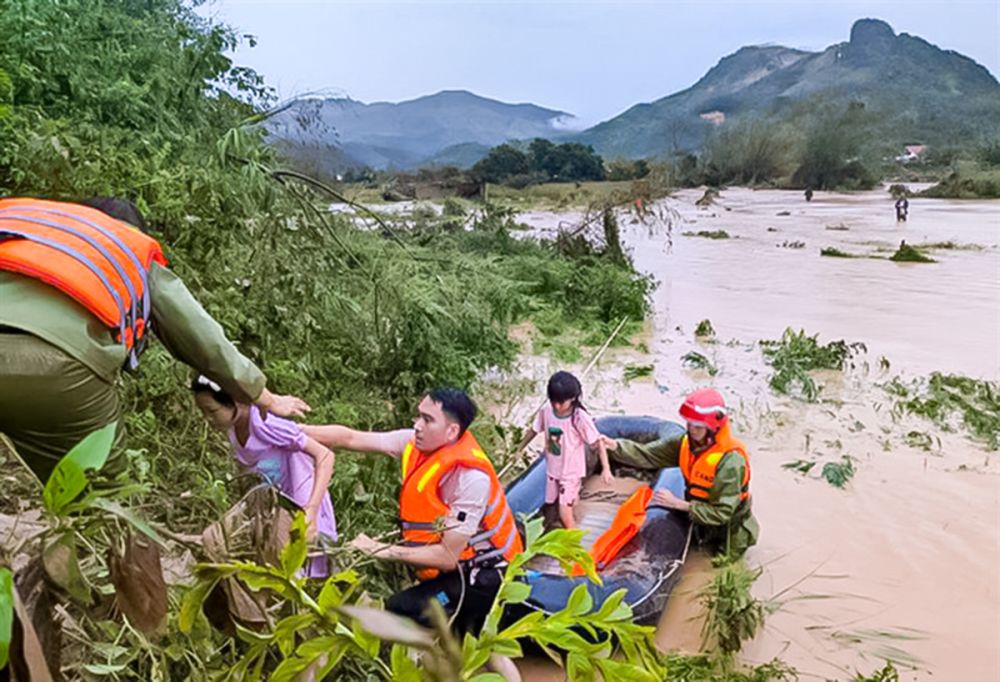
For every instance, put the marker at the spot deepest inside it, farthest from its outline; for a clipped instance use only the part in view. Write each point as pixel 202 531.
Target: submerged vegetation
pixel 633 372
pixel 951 401
pixel 734 615
pixel 907 254
pixel 695 360
pixel 834 252
pixel 796 354
pixel 704 330
pixel 839 473
pixel 836 473
pixel 708 234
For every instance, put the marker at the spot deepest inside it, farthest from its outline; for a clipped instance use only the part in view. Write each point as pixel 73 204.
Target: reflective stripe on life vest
pixel 99 262
pixel 139 267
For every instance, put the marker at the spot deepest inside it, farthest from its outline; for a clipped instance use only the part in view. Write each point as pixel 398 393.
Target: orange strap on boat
pixel 629 519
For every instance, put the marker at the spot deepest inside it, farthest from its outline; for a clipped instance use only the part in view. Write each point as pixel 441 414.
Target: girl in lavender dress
pixel 278 450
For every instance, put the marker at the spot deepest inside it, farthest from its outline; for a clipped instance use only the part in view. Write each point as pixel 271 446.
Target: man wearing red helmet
pixel 716 469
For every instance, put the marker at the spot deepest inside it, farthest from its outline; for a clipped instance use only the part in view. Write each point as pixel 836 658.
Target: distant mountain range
pixel 453 127
pixel 916 91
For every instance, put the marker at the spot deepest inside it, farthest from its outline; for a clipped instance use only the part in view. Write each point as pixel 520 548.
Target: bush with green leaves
pixel 544 161
pixel 319 630
pixel 753 152
pixel 834 150
pixel 85 551
pixel 356 322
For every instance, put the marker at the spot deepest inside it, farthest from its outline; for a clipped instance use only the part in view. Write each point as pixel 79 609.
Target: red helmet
pixel 707 407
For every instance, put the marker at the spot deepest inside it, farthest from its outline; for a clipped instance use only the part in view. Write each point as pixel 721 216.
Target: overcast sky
pixel 591 59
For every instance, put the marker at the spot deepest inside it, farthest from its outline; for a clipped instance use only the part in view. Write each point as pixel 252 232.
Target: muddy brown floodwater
pixel 904 563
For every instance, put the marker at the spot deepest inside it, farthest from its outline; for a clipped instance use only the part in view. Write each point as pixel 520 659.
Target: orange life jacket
pixel 98 261
pixel 699 470
pixel 422 511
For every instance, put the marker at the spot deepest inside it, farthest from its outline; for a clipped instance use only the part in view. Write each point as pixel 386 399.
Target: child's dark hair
pixel 456 405
pixel 564 386
pixel 202 384
pixel 119 209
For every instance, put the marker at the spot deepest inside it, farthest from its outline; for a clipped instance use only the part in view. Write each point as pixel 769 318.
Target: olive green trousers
pixel 49 401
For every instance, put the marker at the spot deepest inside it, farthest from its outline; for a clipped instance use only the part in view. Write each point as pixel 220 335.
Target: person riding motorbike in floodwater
pixel 716 470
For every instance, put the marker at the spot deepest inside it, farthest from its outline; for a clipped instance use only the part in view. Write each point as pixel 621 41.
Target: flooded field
pixel 904 562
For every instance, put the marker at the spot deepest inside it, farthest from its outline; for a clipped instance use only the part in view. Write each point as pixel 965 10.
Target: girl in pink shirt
pixel 277 449
pixel 568 429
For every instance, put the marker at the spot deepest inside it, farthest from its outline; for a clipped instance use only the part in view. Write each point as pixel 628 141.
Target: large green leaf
pixel 618 670
pixel 290 669
pixel 293 555
pixel 64 485
pixel 6 613
pixel 580 602
pixel 285 630
pixel 191 604
pixel 579 667
pixel 330 648
pixel 515 592
pixel 69 478
pixel 92 452
pixel 332 595
pixel 614 608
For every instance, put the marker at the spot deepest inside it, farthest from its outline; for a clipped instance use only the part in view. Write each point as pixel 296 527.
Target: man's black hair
pixel 456 405
pixel 119 209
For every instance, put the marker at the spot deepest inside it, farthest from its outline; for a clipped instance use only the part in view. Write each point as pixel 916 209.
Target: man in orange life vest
pixel 716 469
pixel 80 288
pixel 457 529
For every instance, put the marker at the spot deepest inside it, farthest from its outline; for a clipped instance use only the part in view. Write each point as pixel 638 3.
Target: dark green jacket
pixel 179 321
pixel 723 523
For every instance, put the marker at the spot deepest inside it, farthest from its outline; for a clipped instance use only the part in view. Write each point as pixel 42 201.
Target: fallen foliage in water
pixel 952 402
pixel 796 354
pixel 833 252
pixel 708 234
